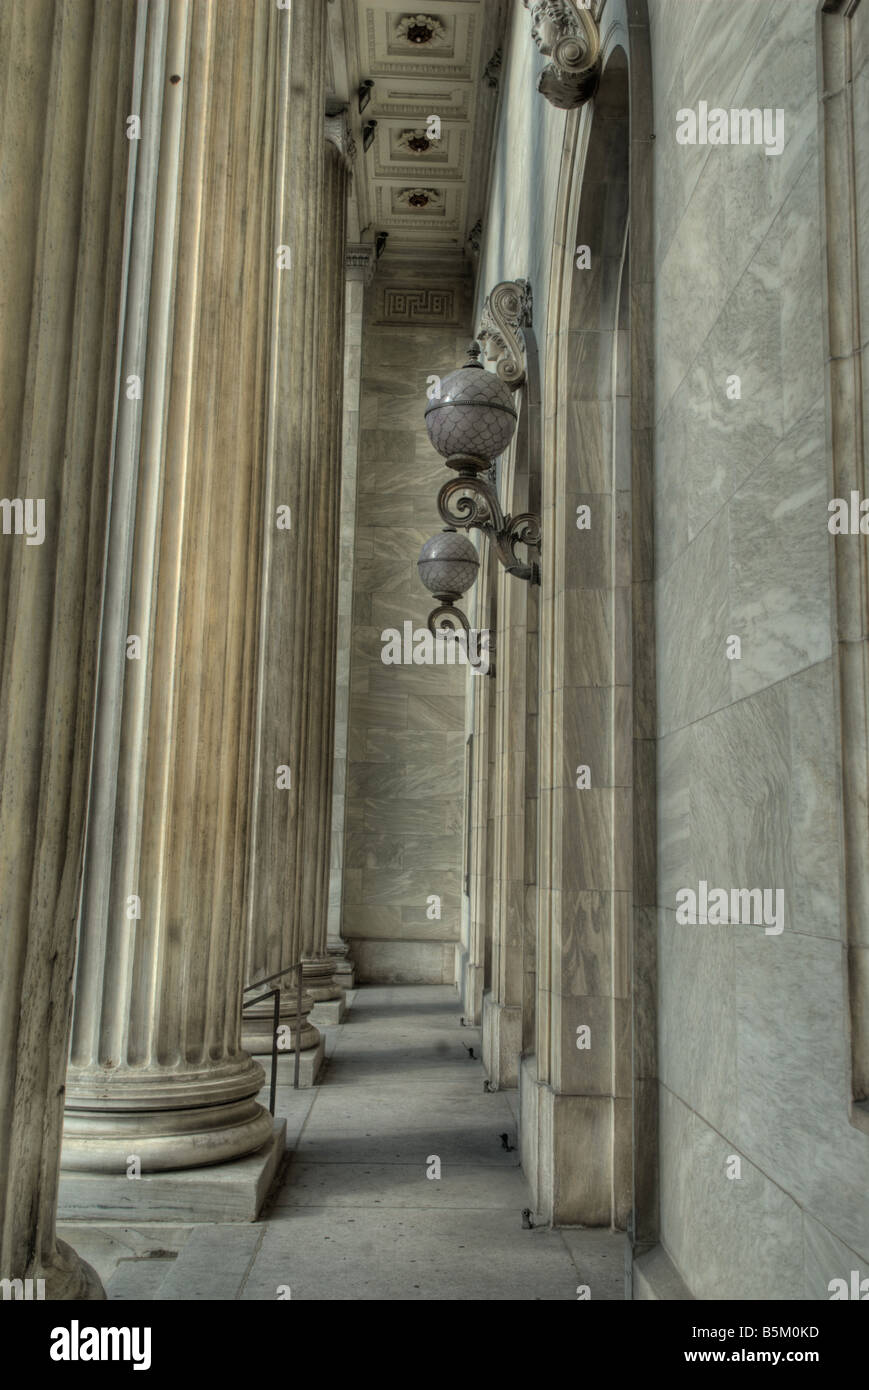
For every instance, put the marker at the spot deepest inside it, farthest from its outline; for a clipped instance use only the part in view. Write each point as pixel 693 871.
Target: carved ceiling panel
pixel 425 61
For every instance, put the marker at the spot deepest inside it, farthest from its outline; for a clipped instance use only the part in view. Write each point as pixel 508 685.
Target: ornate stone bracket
pixel 506 312
pixel 337 129
pixel 566 33
pixel 359 263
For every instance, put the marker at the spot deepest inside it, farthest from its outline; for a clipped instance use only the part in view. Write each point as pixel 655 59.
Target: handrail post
pixel 298 1029
pixel 276 1020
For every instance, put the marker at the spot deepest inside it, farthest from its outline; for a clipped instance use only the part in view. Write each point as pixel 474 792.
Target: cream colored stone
pixel 65 76
pixel 156 1069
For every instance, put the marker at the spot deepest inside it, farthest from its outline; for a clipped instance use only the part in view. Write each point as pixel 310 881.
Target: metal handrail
pixel 277 1017
pixel 267 979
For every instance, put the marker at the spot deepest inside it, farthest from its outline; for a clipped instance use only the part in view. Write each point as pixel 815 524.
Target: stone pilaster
pixel 506 336
pixel 287 852
pixel 65 90
pixel 479 776
pixel 156 1068
pixel 593 831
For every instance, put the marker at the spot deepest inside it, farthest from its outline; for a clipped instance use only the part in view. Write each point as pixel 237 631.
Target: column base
pixel 502 1042
pixel 107 1141
pixel 554 1128
pixel 317 972
pixel 329 1012
pixel 470 985
pixel 223 1192
pixel 257 1026
pixel 343 969
pixel 310 1065
pixel 69 1278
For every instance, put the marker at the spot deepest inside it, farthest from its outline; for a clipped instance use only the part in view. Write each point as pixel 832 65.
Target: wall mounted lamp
pixel 471 420
pixel 363 94
pixel 368 134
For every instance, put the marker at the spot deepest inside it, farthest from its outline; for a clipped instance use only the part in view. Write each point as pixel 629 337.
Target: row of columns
pixel 168 651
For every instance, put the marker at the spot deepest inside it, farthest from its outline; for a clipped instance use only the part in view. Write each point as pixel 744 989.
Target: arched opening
pixel 588 1119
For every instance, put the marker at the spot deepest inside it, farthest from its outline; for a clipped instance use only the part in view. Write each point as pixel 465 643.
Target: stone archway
pixel 588 1095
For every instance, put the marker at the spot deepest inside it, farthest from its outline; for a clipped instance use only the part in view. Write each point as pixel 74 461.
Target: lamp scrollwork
pixel 470 422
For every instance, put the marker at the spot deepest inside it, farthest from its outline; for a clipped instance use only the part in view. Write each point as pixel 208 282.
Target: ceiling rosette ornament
pixel 506 312
pixel 418 29
pixel 416 142
pixel 419 198
pixel 567 34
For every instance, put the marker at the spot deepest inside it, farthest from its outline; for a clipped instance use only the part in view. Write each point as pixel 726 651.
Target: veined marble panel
pixel 370 850
pixel 405 791
pixel 779 561
pixel 588 721
pixel 697 1056
pixel 693 669
pixel 827 1258
pixel 773 757
pixel 730 1238
pixel 387 747
pixel 583 960
pixel 739 192
pixel 794 1076
pixel 699 53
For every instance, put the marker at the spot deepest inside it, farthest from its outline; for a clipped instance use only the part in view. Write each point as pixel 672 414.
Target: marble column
pixel 359 263
pixel 156 1068
pixel 288 851
pixel 317 964
pixel 65 89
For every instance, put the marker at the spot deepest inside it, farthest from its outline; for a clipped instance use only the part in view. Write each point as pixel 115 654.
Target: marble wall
pixel 753 1031
pixel 754 1051
pixel 559 179
pixel 406 738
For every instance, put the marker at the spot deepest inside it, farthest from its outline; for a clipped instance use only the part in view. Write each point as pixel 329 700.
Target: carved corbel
pixel 359 263
pixel 566 33
pixel 506 312
pixel 337 129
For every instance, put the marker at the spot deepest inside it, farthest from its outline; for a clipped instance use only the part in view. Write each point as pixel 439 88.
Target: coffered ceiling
pixel 425 189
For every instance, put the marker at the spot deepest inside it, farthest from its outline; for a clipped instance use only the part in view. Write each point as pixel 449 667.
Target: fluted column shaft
pixel 288 857
pixel 65 89
pixel 358 268
pixel 156 1067
pixel 325 563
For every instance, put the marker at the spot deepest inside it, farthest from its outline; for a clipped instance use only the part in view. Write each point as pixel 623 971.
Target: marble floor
pixel 354 1215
